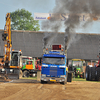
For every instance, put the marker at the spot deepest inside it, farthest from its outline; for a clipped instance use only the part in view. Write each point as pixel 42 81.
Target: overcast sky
pixel 38 6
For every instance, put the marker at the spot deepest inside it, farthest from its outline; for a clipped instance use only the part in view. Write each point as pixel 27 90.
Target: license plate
pixel 52 80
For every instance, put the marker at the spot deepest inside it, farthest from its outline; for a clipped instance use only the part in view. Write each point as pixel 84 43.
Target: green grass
pixel 81 79
pixel 74 79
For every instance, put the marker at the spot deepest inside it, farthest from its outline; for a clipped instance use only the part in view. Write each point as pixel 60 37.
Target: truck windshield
pixel 54 60
pixel 77 63
pixel 14 61
pixel 29 62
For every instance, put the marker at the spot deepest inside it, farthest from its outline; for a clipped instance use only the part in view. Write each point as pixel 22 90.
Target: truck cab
pixel 16 59
pixel 54 65
pixel 29 65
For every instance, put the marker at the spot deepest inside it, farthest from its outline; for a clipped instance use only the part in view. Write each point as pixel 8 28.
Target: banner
pixel 41 16
pixel 64 16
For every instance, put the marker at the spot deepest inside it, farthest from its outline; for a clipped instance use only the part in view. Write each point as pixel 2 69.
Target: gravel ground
pixel 32 90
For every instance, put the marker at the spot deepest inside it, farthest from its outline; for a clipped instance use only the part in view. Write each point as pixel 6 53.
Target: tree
pixel 23 20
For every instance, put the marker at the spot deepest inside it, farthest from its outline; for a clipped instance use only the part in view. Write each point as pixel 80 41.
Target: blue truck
pixel 54 65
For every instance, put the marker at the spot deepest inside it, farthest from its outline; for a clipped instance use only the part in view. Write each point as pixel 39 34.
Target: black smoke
pixel 72 7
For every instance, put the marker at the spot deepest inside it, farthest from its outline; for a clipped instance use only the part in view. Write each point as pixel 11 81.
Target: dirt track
pixel 52 91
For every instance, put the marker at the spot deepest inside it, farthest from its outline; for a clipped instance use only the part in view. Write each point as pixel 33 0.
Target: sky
pixel 33 6
pixel 39 6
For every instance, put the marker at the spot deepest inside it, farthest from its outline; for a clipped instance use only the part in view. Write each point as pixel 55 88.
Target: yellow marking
pixel 66 68
pixel 52 80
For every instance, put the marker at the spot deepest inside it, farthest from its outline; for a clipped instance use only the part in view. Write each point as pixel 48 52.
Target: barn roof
pixel 85 46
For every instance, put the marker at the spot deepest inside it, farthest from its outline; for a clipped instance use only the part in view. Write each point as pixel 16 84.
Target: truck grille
pixel 53 71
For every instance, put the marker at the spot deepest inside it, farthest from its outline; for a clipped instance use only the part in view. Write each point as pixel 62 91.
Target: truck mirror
pixel 20 54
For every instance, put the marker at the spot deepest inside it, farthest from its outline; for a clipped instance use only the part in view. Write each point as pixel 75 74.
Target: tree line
pixel 23 20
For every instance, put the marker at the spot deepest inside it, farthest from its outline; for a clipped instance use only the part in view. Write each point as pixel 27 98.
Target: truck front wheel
pixel 26 73
pixel 69 78
pixel 87 73
pixel 64 82
pixel 98 74
pixel 42 82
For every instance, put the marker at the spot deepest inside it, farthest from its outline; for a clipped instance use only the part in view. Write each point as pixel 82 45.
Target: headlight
pixel 62 66
pixel 3 70
pixel 11 70
pixel 63 80
pixel 45 65
pixel 43 75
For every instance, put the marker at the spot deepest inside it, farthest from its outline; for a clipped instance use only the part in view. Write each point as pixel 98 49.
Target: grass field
pixel 81 79
pixel 74 79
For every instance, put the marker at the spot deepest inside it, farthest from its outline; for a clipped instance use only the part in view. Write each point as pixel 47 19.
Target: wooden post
pixel 39 75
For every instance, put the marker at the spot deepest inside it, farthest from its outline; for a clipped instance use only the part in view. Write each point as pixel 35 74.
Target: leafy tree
pixel 23 20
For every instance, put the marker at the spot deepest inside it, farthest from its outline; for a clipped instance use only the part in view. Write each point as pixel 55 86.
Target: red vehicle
pixel 38 64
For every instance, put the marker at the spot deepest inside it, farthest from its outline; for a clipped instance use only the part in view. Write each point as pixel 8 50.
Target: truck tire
pixel 93 73
pixel 65 82
pixel 98 74
pixel 87 72
pixel 42 82
pixel 90 79
pixel 26 73
pixel 83 75
pixel 69 78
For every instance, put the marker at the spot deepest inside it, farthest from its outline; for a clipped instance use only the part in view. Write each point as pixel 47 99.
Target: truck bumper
pixel 9 73
pixel 53 79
